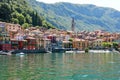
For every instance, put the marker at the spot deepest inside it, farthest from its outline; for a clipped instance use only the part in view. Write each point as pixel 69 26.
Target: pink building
pixel 12 29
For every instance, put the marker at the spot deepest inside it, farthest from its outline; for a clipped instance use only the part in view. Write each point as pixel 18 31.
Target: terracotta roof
pixel 13 30
pixel 78 39
pixel 17 40
pixel 30 38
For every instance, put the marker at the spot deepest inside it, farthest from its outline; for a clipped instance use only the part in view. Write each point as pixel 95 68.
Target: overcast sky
pixel 104 3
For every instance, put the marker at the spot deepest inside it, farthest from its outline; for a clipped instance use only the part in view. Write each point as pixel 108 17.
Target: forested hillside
pixel 33 13
pixel 20 12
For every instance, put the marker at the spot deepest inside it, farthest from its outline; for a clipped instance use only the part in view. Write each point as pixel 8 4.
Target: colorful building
pixel 80 44
pixel 67 44
pixel 13 29
pixel 98 43
pixel 31 43
pixel 5 43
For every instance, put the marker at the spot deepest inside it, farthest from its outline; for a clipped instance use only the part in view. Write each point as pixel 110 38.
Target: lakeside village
pixel 40 40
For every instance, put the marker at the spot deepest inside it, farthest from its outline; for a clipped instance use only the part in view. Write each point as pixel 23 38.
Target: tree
pixel 39 20
pixel 21 19
pixel 33 18
pixel 115 45
pixel 44 24
pixel 15 14
pixel 36 19
pixel 106 44
pixel 86 50
pixel 19 12
pixel 71 40
pixel 15 21
pixel 71 43
pixel 5 12
pixel 25 25
pixel 28 19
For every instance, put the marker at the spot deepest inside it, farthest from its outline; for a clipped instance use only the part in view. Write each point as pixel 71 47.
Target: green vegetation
pixel 110 45
pixel 71 43
pixel 86 50
pixel 87 17
pixel 115 45
pixel 33 13
pixel 20 12
pixel 71 40
pixel 107 44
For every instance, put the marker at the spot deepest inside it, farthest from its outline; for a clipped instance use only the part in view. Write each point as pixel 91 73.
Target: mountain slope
pixel 20 12
pixel 87 17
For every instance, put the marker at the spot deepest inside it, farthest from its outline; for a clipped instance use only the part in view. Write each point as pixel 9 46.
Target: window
pixel 79 44
pixel 83 44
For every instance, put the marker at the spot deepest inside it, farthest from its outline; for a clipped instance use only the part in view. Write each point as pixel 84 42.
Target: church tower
pixel 73 25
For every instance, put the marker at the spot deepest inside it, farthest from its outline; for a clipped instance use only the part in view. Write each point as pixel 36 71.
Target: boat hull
pixel 30 51
pixel 59 50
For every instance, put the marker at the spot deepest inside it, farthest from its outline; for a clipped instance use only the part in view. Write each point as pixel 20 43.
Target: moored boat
pixel 30 51
pixel 71 51
pixel 100 51
pixel 5 53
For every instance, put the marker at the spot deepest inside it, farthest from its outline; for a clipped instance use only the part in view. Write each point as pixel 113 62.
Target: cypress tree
pixel 36 19
pixel 33 19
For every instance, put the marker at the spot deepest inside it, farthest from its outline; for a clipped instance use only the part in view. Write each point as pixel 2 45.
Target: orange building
pixel 108 39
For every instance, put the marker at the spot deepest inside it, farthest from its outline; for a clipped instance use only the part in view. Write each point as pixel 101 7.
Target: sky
pixel 103 3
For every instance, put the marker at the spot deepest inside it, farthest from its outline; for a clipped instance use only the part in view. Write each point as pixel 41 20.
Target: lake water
pixel 60 66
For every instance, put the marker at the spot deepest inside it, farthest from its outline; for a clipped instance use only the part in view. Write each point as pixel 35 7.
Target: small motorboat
pixel 49 52
pixel 21 53
pixel 76 51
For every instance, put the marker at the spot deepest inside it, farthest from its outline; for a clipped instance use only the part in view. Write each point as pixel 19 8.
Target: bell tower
pixel 73 25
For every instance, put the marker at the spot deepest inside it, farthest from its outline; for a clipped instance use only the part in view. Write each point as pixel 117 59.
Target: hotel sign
pixel 2 27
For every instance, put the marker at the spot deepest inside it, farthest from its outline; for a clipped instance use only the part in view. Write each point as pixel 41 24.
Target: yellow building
pixel 40 42
pixel 80 44
pixel 97 43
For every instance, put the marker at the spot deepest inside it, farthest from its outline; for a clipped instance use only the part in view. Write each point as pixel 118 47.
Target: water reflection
pixel 60 67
